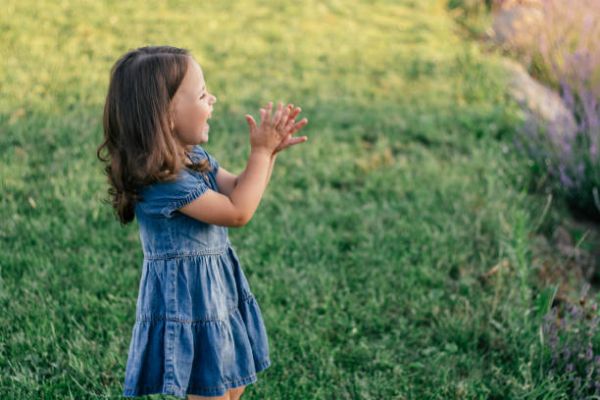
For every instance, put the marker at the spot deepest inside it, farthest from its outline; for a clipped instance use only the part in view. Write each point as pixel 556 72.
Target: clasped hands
pixel 275 131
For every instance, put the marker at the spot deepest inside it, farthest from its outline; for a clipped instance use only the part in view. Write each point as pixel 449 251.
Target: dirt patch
pixel 569 258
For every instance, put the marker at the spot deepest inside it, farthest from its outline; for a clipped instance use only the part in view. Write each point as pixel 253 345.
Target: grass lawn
pixel 367 249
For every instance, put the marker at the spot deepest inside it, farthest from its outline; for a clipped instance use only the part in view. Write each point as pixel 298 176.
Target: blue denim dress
pixel 198 327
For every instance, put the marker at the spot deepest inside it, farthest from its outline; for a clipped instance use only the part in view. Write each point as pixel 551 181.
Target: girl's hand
pixel 271 131
pixel 291 128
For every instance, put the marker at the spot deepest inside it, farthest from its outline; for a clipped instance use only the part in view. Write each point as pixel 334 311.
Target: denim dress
pixel 198 327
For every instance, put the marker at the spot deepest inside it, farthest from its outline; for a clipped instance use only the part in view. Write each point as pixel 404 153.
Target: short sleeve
pixel 164 198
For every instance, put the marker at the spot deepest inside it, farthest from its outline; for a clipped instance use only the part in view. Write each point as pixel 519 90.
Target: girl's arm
pixel 226 181
pixel 273 158
pixel 252 183
pixel 237 209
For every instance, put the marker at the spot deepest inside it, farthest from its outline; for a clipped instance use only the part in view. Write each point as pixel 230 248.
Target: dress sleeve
pixel 164 198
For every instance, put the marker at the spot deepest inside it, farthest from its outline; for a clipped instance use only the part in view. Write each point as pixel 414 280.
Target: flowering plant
pixel 562 49
pixel 569 339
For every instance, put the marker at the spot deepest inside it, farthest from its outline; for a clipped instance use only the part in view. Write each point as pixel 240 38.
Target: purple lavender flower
pixel 567 94
pixel 566 353
pixel 565 51
pixel 589 370
pixel 553 340
pixel 564 178
pixel 574 311
pixel 571 346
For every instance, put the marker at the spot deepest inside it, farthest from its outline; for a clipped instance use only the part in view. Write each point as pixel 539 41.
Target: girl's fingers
pixel 289 126
pixel 296 140
pixel 281 117
pixel 277 114
pixel 251 122
pixel 295 113
pixel 284 118
pixel 268 112
pixel 299 125
pixel 262 115
pixel 291 117
pixel 291 142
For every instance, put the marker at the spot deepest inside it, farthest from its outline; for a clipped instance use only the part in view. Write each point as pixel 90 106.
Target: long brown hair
pixel 138 138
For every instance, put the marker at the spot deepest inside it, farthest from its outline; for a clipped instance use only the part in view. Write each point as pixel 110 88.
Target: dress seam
pixel 220 250
pixel 150 317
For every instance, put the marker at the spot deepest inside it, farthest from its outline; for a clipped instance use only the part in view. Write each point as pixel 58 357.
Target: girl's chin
pixel 204 135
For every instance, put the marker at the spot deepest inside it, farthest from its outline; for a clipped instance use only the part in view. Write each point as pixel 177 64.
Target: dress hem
pixel 198 390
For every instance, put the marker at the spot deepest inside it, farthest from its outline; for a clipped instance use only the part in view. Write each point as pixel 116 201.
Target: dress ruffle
pixel 200 349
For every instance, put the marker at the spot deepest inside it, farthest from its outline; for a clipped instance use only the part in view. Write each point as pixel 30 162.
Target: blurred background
pixel 436 237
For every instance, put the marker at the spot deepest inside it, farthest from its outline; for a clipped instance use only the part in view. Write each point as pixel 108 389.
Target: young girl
pixel 198 329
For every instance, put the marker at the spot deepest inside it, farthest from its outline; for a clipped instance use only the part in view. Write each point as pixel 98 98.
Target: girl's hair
pixel 141 146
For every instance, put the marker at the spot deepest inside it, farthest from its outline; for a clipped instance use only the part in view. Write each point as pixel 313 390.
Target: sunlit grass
pixel 366 250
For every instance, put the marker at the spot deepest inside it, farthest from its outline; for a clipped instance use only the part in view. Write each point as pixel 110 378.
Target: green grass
pixel 366 251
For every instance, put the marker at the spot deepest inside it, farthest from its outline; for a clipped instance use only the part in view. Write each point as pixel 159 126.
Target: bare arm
pixel 252 183
pixel 238 208
pixel 241 176
pixel 273 158
pixel 225 181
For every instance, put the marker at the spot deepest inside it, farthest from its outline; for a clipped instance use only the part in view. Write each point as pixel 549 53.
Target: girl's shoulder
pixel 162 199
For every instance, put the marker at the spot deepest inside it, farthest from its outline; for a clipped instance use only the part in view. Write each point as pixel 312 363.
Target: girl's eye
pixel 202 96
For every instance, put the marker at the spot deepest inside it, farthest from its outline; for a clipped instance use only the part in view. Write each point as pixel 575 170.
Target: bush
pixel 561 48
pixel 570 344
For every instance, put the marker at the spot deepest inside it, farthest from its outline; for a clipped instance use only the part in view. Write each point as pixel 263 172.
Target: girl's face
pixel 191 107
